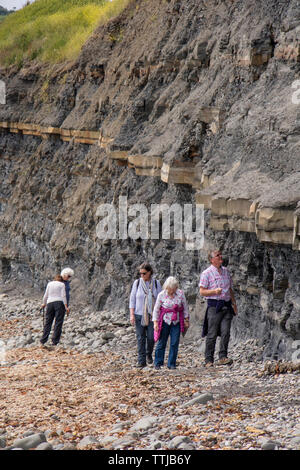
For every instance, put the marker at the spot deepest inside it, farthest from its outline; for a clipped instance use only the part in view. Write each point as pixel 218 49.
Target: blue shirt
pixel 67 284
pixel 137 295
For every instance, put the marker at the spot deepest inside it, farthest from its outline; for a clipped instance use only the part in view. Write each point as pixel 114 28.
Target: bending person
pixel 56 301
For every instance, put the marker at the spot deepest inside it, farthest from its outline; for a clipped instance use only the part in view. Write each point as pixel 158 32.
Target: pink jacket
pixel 176 309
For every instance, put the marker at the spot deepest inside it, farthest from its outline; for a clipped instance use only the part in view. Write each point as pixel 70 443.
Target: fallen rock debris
pixel 87 393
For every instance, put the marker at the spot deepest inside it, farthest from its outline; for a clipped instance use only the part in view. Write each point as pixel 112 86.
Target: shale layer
pixel 169 103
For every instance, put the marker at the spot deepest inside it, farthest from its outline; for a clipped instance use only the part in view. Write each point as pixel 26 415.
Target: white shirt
pixel 55 291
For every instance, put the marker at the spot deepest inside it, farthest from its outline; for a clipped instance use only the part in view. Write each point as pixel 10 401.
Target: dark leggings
pixel 55 310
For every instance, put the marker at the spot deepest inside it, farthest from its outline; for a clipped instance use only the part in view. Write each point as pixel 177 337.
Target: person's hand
pixel 155 325
pixel 132 319
pixel 235 309
pixel 43 306
pixel 67 311
pixel 218 291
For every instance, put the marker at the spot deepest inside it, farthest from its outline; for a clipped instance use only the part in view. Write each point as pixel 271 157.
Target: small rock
pixel 179 441
pixel 44 446
pixel 144 423
pixel 69 447
pixel 30 442
pixel 269 445
pixel 108 335
pixel 202 399
pixel 107 440
pixel 87 441
pixel 295 442
pixel 2 442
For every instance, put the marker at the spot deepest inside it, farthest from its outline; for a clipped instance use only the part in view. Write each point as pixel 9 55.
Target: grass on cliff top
pixel 53 30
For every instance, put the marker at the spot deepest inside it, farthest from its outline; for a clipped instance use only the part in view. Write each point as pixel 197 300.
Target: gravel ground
pixel 88 394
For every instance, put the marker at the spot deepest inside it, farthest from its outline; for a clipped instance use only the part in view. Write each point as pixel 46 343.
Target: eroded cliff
pixel 172 102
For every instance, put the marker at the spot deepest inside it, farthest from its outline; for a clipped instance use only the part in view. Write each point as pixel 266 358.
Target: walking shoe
pixel 157 367
pixel 140 366
pixel 58 348
pixel 224 361
pixel 149 359
pixel 47 347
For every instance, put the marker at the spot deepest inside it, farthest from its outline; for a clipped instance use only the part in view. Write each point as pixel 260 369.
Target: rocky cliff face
pixel 172 102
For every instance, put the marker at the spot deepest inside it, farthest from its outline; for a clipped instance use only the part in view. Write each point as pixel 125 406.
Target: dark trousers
pixel 55 310
pixel 174 332
pixel 145 339
pixel 218 324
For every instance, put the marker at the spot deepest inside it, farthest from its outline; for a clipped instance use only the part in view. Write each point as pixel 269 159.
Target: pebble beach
pixel 87 393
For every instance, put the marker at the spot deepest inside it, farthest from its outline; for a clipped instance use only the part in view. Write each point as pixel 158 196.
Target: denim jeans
pixel 55 310
pixel 174 332
pixel 218 323
pixel 145 339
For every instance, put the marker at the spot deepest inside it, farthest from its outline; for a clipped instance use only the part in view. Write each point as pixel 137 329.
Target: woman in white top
pixel 56 300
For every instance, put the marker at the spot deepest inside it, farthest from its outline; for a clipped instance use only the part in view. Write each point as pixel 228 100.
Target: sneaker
pixel 171 367
pixel 149 359
pixel 224 361
pixel 140 366
pixel 157 367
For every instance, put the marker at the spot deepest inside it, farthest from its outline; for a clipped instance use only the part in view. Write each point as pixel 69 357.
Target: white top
pixel 55 291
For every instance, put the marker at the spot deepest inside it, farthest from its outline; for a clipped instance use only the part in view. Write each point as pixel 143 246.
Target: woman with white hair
pixel 170 317
pixel 56 301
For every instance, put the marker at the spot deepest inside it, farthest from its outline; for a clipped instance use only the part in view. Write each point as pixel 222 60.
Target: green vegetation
pixel 53 30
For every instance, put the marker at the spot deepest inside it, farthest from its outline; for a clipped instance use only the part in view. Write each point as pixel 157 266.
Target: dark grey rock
pixel 200 399
pixel 2 442
pixel 86 441
pixel 180 442
pixel 30 442
pixel 44 446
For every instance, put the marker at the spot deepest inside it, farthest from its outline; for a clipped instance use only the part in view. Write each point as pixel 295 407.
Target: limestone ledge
pixel 288 52
pixel 288 46
pixel 246 54
pixel 80 136
pixel 273 225
pixel 241 55
pixel 254 57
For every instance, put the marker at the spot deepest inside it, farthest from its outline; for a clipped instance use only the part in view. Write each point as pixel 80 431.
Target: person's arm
pixel 45 296
pixel 234 306
pixel 64 298
pixel 132 302
pixel 210 292
pixel 156 312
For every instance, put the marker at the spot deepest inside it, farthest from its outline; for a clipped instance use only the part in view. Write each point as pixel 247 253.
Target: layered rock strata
pixel 167 103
